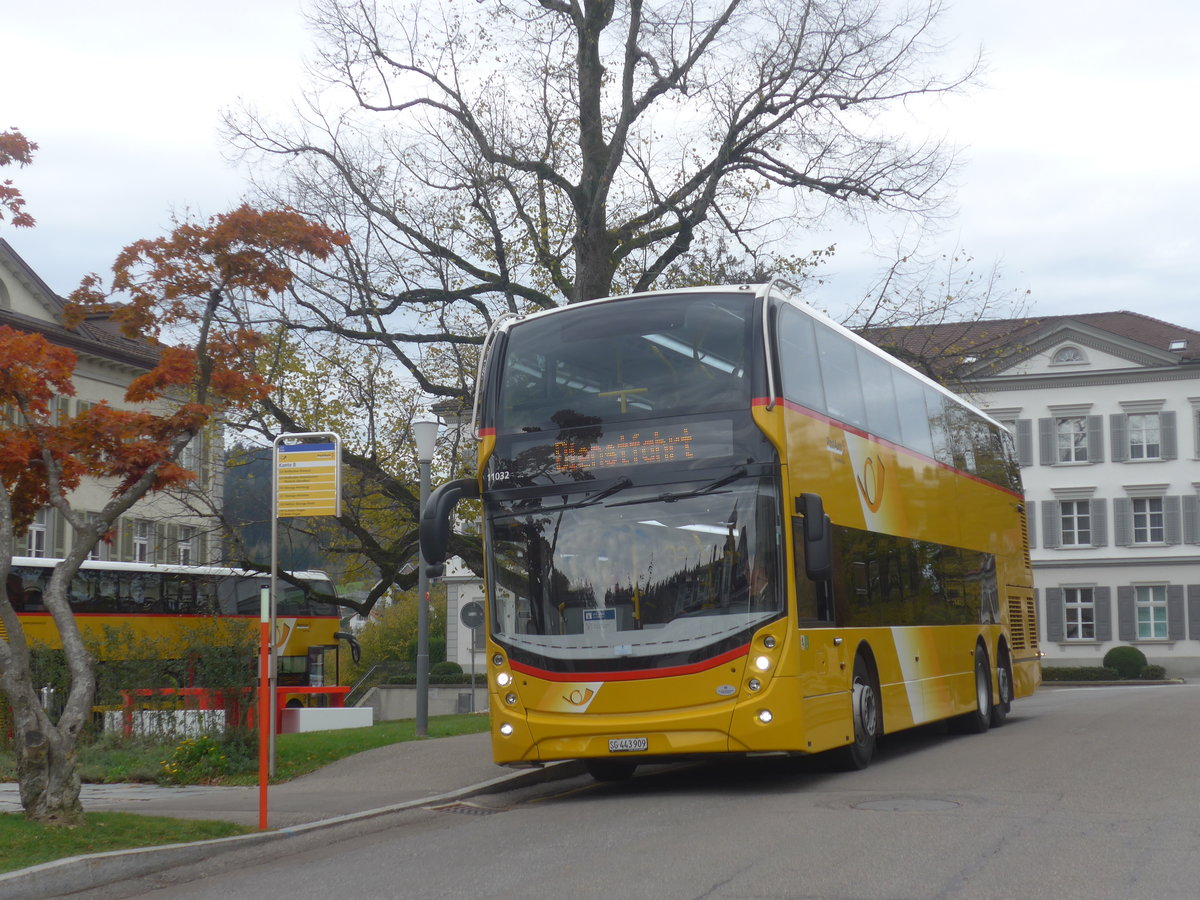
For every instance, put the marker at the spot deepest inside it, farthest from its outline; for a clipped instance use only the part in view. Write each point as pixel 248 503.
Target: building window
pixel 1079 614
pixel 1076 519
pixel 1145 440
pixel 1072 438
pixel 186 545
pixel 1150 602
pixel 142 532
pixel 37 535
pixel 1148 520
pixel 1068 356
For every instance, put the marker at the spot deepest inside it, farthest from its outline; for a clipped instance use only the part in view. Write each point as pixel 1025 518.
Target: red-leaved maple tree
pixel 169 294
pixel 15 148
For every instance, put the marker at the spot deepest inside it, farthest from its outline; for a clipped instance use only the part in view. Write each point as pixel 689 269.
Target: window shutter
pixel 1175 624
pixel 1095 427
pixel 1122 522
pixel 58 534
pixel 1193 610
pixel 1191 518
pixel 1099 512
pixel 1031 521
pixel 1054 614
pixel 1047 445
pixel 1171 519
pixel 202 454
pixel 1102 597
pixel 1024 436
pixel 1126 617
pixel 1168 446
pixel 1051 524
pixel 1118 425
pixel 126 539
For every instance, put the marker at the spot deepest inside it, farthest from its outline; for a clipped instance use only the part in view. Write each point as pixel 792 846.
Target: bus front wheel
pixel 864 705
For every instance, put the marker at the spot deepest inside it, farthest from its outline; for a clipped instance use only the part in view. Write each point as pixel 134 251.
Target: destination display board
pixel 307 479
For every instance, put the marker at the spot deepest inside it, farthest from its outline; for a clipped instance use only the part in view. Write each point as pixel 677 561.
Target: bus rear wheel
pixel 610 770
pixel 864 705
pixel 977 721
pixel 1004 691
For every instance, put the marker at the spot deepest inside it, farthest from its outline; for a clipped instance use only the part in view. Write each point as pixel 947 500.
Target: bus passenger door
pixel 823 664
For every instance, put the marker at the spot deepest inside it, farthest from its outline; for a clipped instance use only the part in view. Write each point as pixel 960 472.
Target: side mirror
pixel 355 647
pixel 435 518
pixel 818 537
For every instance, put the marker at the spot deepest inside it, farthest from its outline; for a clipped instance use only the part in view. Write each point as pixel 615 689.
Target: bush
pixel 1078 673
pixel 446 667
pixel 1128 661
pixel 1154 673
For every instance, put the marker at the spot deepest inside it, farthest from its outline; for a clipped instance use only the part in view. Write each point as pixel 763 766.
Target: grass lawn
pixel 26 844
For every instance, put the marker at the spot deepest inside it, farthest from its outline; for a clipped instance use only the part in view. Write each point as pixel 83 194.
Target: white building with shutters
pixel 1105 408
pixel 164 529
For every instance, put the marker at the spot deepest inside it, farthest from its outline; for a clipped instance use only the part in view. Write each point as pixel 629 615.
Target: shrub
pixel 1078 673
pixel 1128 661
pixel 1154 673
pixel 200 759
pixel 446 667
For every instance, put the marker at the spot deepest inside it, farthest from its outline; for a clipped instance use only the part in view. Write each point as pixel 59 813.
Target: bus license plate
pixel 627 745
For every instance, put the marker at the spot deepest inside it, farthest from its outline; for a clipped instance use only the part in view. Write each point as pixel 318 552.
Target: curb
pixel 1125 683
pixel 97 871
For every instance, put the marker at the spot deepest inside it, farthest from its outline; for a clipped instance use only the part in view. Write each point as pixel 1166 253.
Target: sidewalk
pixel 350 795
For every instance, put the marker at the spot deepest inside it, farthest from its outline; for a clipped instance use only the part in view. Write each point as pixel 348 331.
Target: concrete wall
pixel 399 701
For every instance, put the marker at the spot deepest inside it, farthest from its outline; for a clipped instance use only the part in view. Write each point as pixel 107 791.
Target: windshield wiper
pixel 672 496
pixel 619 485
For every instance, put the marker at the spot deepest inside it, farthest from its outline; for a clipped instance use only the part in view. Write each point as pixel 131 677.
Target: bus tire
pixel 1004 690
pixel 864 705
pixel 978 720
pixel 610 769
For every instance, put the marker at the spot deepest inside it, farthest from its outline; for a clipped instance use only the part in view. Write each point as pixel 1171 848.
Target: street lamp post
pixel 425 432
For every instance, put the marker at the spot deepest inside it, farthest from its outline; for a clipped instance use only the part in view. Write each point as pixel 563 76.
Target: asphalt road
pixel 1085 793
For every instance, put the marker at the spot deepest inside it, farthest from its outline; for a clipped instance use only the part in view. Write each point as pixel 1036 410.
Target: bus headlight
pixel 506 729
pixel 762 663
pixel 510 698
pixel 504 679
pixel 497 659
pixel 769 642
pixel 754 684
pixel 764 716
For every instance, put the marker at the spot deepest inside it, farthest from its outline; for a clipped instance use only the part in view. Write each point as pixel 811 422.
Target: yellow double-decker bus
pixel 154 606
pixel 716 522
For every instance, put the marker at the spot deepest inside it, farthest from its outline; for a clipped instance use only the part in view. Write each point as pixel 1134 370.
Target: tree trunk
pixel 47 768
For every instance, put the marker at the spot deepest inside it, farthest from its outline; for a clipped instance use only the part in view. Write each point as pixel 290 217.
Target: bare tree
pixel 503 156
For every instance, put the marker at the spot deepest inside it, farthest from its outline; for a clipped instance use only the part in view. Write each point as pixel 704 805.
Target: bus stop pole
pixel 264 690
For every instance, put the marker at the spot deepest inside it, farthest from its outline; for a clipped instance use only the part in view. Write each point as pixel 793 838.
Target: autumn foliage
pixel 15 148
pixel 172 297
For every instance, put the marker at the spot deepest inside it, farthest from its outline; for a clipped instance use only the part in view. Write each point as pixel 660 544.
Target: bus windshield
pixel 627 359
pixel 642 578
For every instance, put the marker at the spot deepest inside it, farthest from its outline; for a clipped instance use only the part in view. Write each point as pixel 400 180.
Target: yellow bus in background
pixel 716 522
pixel 154 606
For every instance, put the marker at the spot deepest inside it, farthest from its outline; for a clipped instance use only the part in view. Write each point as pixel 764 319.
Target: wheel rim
pixel 865 712
pixel 983 690
pixel 1005 685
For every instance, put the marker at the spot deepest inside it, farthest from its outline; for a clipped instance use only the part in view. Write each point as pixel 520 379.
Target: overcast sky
pixel 1080 174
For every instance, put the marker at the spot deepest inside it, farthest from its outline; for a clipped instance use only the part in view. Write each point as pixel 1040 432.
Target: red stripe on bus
pixel 632 674
pixel 487 432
